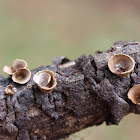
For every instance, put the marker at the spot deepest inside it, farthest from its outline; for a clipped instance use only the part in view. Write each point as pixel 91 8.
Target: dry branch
pixel 87 94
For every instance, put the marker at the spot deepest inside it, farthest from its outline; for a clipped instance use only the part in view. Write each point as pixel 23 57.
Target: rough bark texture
pixel 87 94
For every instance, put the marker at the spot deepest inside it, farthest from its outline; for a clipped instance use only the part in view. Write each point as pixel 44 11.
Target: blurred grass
pixel 38 31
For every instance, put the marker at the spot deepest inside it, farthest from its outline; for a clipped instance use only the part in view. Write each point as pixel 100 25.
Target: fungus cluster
pixel 19 72
pixel 122 65
pixel 119 64
pixel 45 80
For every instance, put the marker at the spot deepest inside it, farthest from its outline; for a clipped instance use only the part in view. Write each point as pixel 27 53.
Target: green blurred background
pixel 39 30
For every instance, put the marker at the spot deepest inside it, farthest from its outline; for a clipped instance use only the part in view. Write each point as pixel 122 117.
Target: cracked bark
pixel 87 94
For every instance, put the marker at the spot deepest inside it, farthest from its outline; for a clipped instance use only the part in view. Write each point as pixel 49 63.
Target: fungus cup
pixel 121 64
pixel 134 94
pixel 17 64
pixel 10 90
pixel 21 76
pixel 45 80
pixel 8 70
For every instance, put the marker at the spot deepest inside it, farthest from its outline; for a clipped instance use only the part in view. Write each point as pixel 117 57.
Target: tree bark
pixel 87 94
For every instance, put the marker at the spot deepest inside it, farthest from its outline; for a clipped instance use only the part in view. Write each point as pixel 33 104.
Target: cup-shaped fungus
pixel 45 80
pixel 10 90
pixel 21 76
pixel 8 70
pixel 134 94
pixel 17 64
pixel 121 64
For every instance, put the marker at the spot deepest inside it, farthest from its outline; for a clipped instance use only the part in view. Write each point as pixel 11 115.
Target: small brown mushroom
pixel 19 64
pixel 8 70
pixel 45 80
pixel 134 94
pixel 21 76
pixel 10 90
pixel 121 64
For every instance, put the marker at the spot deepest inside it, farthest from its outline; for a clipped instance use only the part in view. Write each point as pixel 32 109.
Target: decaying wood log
pixel 87 94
